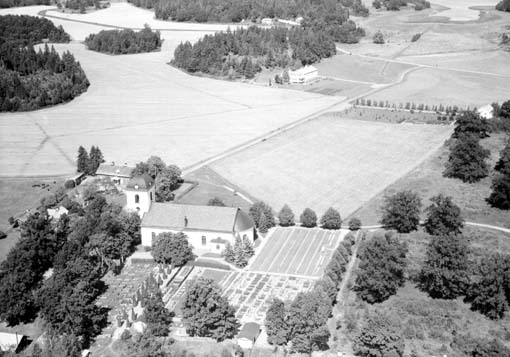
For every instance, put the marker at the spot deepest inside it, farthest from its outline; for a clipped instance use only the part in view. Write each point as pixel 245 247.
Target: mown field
pixel 427 180
pixel 330 162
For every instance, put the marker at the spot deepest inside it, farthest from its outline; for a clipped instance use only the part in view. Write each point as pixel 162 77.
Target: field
pixel 140 102
pixel 330 162
pixel 427 181
pixel 296 251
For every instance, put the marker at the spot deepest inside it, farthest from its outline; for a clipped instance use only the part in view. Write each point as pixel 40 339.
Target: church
pixel 209 228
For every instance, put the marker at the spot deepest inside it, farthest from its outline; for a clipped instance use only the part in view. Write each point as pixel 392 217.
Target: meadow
pixel 427 180
pixel 330 162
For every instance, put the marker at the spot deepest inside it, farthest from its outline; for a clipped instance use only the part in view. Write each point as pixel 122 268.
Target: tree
pixel 157 317
pixel 59 346
pixel 145 345
pixel 276 323
pixel 83 160
pixel 500 195
pixel 286 216
pixel 503 164
pixel 490 292
pixel 467 160
pixel 379 336
pixel 259 209
pixel 172 248
pixel 155 166
pixel 444 274
pixel 378 38
pixel 402 211
pixel 443 216
pixel 471 123
pixel 263 224
pixel 331 219
pixel 381 268
pixel 96 159
pixel 247 247
pixel 228 253
pixel 206 313
pixel 354 224
pixel 167 181
pixel 307 317
pixel 504 5
pixel 216 201
pixel 308 218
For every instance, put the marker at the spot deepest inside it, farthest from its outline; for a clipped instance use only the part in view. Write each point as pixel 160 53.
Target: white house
pixel 118 174
pixel 248 335
pixel 57 212
pixel 486 111
pixel 303 75
pixel 11 341
pixel 209 228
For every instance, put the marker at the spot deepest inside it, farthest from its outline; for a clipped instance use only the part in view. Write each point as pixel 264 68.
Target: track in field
pixel 297 251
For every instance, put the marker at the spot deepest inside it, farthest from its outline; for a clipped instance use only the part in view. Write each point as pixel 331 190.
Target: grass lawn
pixel 427 180
pixel 210 185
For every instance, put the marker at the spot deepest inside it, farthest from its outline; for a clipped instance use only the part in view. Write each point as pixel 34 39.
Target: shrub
pixel 216 201
pixel 380 335
pixel 69 184
pixel 378 38
pixel 354 224
pixel 416 37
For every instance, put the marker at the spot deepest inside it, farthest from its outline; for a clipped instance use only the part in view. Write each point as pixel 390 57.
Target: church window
pixel 151 197
pixel 204 240
pixel 137 199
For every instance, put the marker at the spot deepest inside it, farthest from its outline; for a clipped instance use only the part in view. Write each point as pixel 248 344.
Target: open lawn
pixel 297 251
pixel 427 180
pixel 330 162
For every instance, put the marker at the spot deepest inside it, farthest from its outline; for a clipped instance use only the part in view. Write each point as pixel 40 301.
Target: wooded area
pixel 28 79
pixel 124 41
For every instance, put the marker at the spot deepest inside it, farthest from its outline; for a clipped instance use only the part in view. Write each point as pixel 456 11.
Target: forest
pixel 243 52
pixel 238 10
pixel 16 3
pixel 124 41
pixel 31 79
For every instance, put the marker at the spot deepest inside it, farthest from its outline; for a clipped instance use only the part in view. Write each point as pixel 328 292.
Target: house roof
pixel 303 70
pixel 140 182
pixel 191 217
pixel 249 331
pixel 114 170
pixel 10 341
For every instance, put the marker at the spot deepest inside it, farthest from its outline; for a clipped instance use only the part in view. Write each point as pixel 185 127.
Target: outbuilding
pixel 118 174
pixel 11 342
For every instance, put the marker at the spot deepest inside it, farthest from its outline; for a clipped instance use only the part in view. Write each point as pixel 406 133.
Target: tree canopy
pixel 172 248
pixel 381 268
pixel 286 216
pixel 206 313
pixel 503 5
pixel 379 336
pixel 331 219
pixel 308 218
pixel 443 216
pixel 402 211
pixel 444 274
pixel 276 323
pixel 471 123
pixel 124 41
pixel 467 159
pixel 262 215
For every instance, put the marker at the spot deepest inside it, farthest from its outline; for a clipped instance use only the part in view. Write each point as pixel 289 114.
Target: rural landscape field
pixel 332 178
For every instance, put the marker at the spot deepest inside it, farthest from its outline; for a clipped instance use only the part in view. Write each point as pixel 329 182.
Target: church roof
pixel 191 217
pixel 114 170
pixel 140 182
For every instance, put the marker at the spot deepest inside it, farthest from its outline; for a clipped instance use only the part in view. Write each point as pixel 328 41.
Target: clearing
pixel 297 251
pixel 427 180
pixel 330 162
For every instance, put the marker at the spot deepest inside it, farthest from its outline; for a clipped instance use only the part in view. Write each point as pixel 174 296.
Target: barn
pixel 303 75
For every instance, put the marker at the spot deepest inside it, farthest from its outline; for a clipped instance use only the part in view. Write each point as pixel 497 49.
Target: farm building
pixel 303 75
pixel 209 228
pixel 57 212
pixel 118 174
pixel 78 178
pixel 486 111
pixel 248 335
